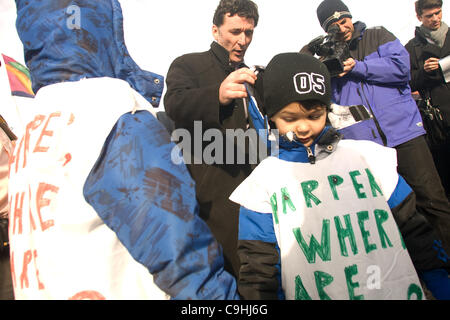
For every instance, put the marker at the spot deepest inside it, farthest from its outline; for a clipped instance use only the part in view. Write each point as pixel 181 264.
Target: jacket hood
pixel 419 35
pixel 360 27
pixel 224 57
pixel 66 40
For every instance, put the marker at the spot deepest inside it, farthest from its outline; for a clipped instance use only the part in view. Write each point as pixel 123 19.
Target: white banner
pixel 60 248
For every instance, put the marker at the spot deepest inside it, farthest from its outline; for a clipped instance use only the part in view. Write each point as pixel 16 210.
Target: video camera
pixel 333 52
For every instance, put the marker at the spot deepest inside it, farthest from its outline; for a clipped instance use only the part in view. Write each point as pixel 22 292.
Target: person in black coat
pixel 430 44
pixel 205 95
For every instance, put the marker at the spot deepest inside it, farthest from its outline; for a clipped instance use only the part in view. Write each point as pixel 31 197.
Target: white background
pixel 156 32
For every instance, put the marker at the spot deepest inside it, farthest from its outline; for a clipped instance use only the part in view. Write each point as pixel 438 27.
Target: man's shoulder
pixel 414 42
pixel 418 40
pixel 193 57
pixel 194 61
pixel 379 31
pixel 377 36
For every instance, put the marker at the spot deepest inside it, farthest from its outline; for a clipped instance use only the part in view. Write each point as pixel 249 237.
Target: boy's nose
pixel 302 128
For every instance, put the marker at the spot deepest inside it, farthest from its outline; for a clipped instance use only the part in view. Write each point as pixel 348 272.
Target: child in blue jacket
pixel 329 218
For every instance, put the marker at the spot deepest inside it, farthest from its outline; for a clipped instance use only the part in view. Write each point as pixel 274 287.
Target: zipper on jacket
pixel 377 124
pixel 311 157
pixel 374 134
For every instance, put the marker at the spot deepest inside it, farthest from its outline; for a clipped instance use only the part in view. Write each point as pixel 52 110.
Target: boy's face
pixel 306 124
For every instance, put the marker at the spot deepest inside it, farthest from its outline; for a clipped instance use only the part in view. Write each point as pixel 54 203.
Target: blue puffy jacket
pixel 380 81
pixel 134 187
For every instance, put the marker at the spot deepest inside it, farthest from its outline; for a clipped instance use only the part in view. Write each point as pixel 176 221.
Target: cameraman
pixel 377 76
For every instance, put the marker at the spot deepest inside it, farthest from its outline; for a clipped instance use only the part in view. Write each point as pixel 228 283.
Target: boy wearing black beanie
pixel 322 220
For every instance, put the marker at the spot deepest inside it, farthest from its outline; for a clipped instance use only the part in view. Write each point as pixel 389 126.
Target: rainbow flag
pixel 19 78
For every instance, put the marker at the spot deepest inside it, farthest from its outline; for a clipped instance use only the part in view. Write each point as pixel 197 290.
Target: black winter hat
pixel 291 77
pixel 330 11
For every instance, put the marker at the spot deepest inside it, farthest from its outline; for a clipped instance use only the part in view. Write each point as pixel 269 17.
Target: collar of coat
pixel 420 36
pixel 358 32
pixel 223 56
pixel 322 147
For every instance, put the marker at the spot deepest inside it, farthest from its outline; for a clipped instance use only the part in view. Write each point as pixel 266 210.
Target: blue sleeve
pixel 256 226
pixel 389 65
pixel 401 192
pixel 260 271
pixel 150 203
pixel 438 282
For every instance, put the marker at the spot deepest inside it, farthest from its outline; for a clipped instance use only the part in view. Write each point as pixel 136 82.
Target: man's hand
pixel 349 64
pixel 431 64
pixel 233 86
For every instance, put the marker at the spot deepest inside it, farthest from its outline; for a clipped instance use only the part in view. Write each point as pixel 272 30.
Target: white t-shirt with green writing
pixel 335 230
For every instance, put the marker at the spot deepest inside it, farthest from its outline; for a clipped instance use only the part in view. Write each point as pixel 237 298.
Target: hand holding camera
pixel 348 65
pixel 333 52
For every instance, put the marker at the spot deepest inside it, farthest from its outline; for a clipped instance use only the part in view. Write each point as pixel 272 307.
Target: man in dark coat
pixel 431 44
pixel 206 91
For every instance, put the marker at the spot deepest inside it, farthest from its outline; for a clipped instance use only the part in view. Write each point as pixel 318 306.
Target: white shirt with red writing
pixel 60 248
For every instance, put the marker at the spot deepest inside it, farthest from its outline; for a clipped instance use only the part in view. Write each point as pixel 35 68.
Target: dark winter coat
pixel 429 83
pixel 193 83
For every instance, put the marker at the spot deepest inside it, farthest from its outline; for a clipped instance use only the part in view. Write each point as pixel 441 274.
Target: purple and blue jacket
pixel 379 81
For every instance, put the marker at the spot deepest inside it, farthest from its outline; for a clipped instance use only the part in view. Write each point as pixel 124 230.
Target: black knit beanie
pixel 330 11
pixel 291 77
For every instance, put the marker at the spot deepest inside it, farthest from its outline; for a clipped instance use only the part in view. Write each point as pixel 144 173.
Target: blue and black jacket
pixel 379 81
